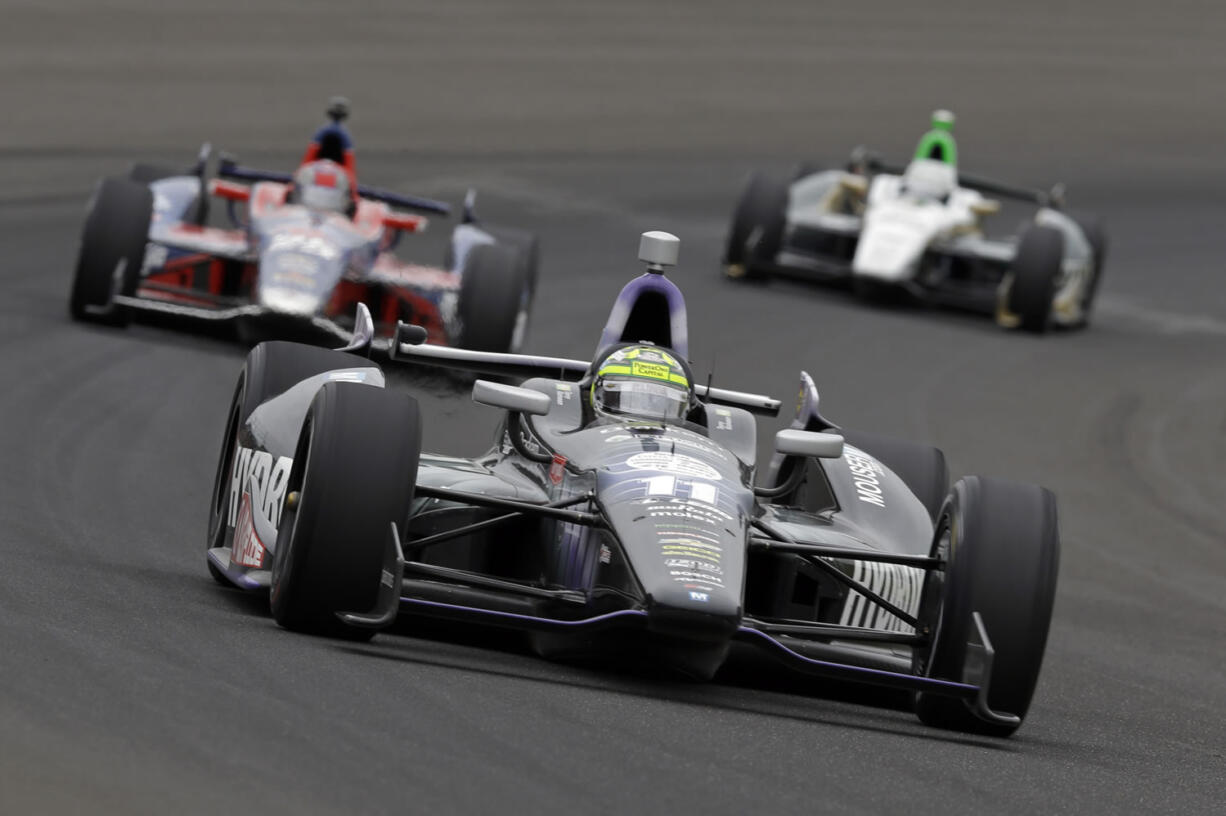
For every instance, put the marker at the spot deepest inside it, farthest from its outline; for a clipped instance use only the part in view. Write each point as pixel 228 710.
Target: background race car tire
pixel 116 231
pixel 493 305
pixel 1097 239
pixel 149 172
pixel 805 169
pixel 527 245
pixel 354 471
pixel 921 467
pixel 1036 267
pixel 1002 546
pixel 756 231
pixel 270 369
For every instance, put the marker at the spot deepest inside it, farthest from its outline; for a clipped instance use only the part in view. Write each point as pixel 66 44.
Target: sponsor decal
pixel 896 583
pixel 681 576
pixel 264 478
pixel 248 550
pixel 690 489
pixel 564 392
pixel 297 242
pixel 652 440
pixel 606 555
pixel 865 473
pixel 675 463
pixel 723 419
pixel 557 470
pixel 682 510
pixel 690 546
pixel 691 564
pixel 687 534
pixel 701 597
pixel 295 268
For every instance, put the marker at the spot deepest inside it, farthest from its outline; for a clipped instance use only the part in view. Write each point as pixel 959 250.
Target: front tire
pixel 1036 268
pixel 1001 547
pixel 756 232
pixel 494 300
pixel 353 476
pixel 112 251
pixel 271 369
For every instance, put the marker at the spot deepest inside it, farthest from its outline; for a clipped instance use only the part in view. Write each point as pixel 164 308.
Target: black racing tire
pixel 756 232
pixel 1001 544
pixel 493 299
pixel 1036 268
pixel 529 248
pixel 1097 239
pixel 353 474
pixel 112 246
pixel 805 169
pixel 921 467
pixel 271 369
pixel 149 172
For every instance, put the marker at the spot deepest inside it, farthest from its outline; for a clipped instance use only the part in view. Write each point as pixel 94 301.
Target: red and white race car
pixel 299 253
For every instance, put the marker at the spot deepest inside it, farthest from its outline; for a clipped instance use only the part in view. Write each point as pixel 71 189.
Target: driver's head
pixel 641 382
pixel 323 185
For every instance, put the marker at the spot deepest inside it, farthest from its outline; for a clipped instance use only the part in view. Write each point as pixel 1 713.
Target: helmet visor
pixel 319 197
pixel 646 400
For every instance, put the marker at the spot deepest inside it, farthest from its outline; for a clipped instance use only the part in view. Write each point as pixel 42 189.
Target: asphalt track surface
pixel 130 683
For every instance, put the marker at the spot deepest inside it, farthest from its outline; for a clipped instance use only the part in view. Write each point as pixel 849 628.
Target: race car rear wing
pixel 409 346
pixel 228 168
pixel 1044 198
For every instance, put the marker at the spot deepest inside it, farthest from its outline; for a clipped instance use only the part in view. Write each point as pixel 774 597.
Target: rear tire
pixel 756 232
pixel 494 300
pixel 270 369
pixel 112 251
pixel 1001 545
pixel 1036 267
pixel 354 473
pixel 921 467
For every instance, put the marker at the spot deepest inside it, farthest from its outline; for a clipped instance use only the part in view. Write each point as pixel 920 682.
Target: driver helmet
pixel 938 143
pixel 641 381
pixel 323 185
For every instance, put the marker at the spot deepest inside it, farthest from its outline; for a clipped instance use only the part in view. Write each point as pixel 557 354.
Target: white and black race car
pixel 919 230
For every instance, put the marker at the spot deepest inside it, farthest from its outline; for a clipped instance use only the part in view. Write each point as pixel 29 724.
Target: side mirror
pixel 514 398
pixel 792 442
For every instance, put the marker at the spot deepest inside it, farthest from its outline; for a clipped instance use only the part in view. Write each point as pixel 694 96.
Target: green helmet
pixel 641 382
pixel 938 143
